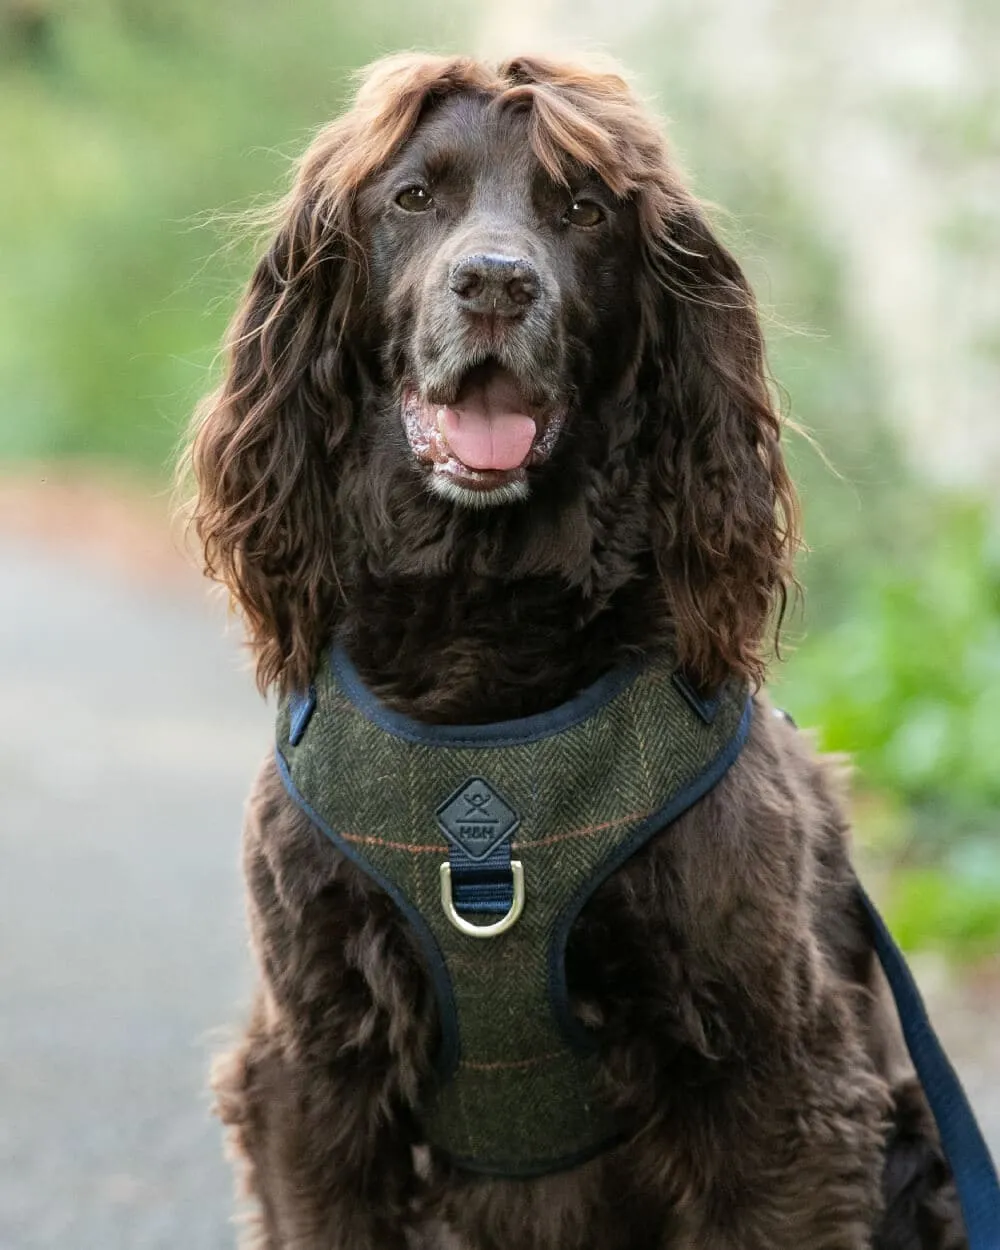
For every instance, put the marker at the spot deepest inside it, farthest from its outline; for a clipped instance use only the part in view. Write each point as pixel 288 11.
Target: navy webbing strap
pixel 961 1137
pixel 483 886
pixel 300 709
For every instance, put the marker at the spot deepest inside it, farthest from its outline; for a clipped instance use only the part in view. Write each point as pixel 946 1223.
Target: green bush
pixel 909 681
pixel 949 910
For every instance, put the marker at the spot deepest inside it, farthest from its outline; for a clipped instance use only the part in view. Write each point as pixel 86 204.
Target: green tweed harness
pixel 490 839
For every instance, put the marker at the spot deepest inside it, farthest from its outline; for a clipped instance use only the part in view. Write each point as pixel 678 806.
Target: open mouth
pixel 481 443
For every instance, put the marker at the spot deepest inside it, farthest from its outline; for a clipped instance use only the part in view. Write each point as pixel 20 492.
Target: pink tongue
pixel 485 439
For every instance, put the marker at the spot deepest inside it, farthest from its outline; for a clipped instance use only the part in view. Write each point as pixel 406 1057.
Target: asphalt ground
pixel 128 738
pixel 129 733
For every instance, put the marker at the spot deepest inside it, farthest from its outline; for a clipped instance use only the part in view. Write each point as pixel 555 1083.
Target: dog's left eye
pixel 415 200
pixel 584 213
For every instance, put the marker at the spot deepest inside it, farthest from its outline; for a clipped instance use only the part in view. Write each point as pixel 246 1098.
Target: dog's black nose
pixel 485 283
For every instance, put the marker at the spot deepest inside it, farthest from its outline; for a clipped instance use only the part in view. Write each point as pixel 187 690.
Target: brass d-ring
pixel 483 930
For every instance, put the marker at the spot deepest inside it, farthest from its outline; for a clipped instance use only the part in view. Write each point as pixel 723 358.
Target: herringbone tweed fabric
pixel 521 1096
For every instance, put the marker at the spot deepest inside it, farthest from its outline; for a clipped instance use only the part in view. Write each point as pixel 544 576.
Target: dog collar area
pixel 490 839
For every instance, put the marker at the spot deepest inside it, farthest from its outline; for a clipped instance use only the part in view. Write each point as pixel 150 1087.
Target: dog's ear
pixel 725 517
pixel 267 443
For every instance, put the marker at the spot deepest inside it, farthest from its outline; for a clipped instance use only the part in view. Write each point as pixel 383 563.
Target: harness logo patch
pixel 476 818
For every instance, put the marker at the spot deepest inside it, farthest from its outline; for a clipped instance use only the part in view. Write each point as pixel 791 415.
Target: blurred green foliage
pixel 952 911
pixel 910 680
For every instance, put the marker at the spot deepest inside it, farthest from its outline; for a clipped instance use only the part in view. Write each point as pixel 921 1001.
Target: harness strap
pixel 961 1137
pixel 483 886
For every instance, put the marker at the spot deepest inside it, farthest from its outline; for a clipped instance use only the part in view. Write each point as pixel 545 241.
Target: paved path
pixel 128 736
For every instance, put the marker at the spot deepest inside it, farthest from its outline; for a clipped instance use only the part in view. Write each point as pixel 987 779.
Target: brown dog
pixel 496 418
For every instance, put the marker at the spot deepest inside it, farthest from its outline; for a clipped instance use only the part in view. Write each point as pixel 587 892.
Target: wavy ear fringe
pixel 726 517
pixel 265 448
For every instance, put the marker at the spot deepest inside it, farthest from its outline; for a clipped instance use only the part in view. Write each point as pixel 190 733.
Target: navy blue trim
pixel 705 707
pixel 449 1053
pixel 504 733
pixel 966 1150
pixel 300 709
pixel 577 1034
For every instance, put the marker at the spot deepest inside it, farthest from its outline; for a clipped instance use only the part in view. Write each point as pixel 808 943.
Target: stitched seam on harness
pixel 364 839
pixel 580 833
pixel 436 849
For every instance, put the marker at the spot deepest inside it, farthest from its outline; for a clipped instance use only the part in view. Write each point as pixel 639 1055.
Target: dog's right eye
pixel 584 213
pixel 415 200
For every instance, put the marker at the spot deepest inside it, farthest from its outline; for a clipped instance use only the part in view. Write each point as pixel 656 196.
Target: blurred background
pixel 854 149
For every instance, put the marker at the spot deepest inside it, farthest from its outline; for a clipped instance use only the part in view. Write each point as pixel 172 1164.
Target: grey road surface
pixel 128 736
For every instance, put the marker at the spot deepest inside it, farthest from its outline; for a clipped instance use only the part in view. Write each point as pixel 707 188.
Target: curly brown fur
pixel 743 1022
